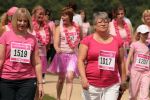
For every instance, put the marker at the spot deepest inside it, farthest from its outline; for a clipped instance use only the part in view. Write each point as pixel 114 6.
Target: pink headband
pixel 11 11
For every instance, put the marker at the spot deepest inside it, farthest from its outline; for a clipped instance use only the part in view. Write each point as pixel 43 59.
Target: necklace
pixel 128 39
pixel 73 42
pixel 38 35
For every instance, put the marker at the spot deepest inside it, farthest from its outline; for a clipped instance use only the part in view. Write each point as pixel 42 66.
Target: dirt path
pixel 50 88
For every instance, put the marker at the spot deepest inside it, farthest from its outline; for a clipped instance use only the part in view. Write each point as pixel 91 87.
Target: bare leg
pixel 69 84
pixel 60 84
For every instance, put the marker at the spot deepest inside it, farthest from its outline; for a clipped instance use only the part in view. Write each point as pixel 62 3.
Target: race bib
pixel 142 61
pixel 20 52
pixel 106 60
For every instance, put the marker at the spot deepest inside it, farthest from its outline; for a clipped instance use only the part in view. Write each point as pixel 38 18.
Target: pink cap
pixel 11 11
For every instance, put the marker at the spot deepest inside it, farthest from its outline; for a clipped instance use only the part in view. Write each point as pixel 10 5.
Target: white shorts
pixel 95 93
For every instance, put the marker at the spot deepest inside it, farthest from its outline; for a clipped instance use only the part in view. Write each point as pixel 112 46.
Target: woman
pixel 139 54
pixel 6 19
pixel 66 39
pixel 146 20
pixel 121 27
pixel 42 33
pixel 20 66
pixel 51 50
pixel 85 24
pixel 104 56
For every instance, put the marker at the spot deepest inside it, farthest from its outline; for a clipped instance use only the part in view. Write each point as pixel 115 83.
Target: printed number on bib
pixel 142 61
pixel 20 52
pixel 106 60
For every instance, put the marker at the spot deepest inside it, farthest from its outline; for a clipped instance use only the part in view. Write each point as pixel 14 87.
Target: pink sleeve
pixel 85 41
pixel 3 38
pixel 51 25
pixel 120 41
pixel 35 45
pixel 132 46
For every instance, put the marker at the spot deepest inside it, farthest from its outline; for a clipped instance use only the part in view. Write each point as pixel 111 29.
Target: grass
pixel 47 97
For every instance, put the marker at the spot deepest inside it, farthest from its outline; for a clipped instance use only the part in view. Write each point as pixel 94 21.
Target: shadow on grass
pixel 47 97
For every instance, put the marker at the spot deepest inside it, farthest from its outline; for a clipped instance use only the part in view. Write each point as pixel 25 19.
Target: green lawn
pixel 47 97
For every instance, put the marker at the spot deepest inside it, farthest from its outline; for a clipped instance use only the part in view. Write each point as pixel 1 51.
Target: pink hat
pixel 11 11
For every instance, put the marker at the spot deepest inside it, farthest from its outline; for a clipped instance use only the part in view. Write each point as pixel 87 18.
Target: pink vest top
pixel 63 41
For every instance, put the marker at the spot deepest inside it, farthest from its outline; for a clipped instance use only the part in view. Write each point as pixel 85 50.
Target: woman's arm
pixel 56 39
pixel 121 61
pixel 81 66
pixel 2 55
pixel 38 69
pixel 81 33
pixel 129 59
pixel 131 31
pixel 53 29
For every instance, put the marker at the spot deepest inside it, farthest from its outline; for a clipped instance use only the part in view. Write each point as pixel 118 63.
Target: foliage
pixel 134 8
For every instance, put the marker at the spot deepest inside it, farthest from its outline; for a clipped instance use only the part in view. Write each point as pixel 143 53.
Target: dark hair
pixel 67 11
pixel 48 12
pixel 73 6
pixel 85 19
pixel 110 15
pixel 117 8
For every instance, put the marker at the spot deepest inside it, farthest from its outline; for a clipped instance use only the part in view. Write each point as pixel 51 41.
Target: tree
pixel 134 8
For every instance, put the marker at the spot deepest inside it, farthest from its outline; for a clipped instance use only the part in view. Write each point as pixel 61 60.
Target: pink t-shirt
pixel 101 73
pixel 141 56
pixel 8 27
pixel 18 51
pixel 148 38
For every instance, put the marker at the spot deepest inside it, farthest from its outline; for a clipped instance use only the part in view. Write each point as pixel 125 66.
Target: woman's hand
pixel 40 91
pixel 124 86
pixel 58 50
pixel 85 84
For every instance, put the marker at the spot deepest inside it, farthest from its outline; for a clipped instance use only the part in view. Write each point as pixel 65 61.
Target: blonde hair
pixel 4 19
pixel 36 8
pixel 22 12
pixel 147 11
pixel 1 30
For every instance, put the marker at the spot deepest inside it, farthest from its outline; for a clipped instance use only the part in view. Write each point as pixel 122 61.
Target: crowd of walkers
pixel 109 56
